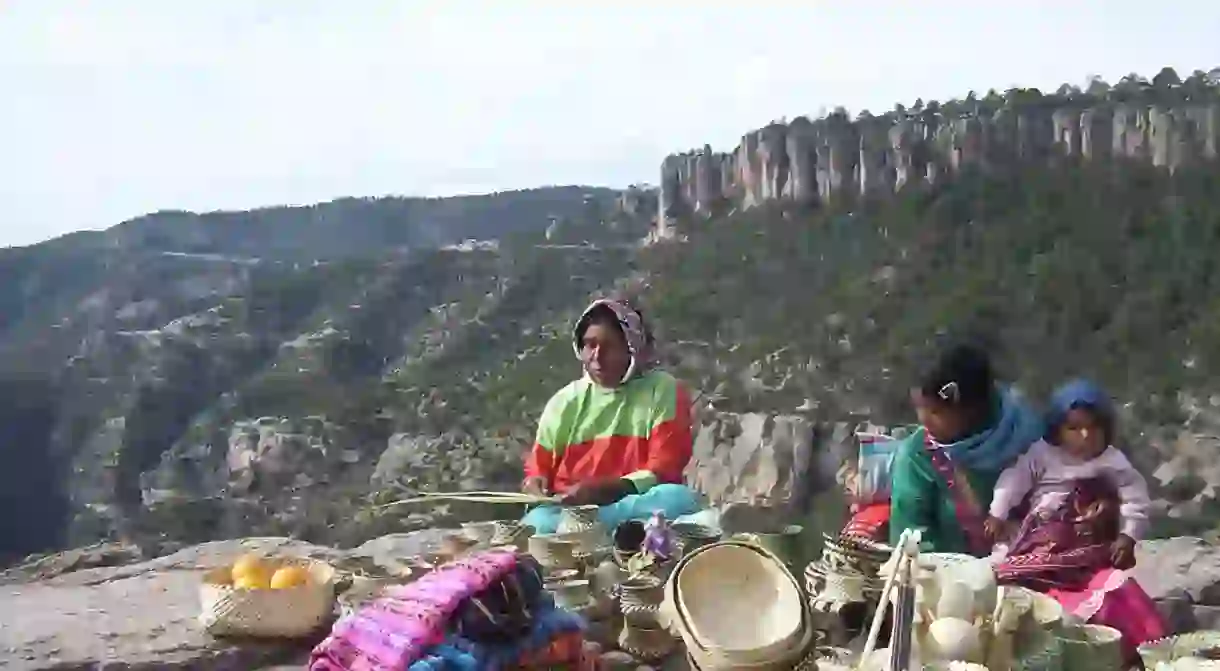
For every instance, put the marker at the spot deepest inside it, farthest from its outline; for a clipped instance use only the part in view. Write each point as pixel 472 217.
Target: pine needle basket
pixel 294 612
pixel 707 610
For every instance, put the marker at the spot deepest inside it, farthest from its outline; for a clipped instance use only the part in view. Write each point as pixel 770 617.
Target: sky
pixel 111 109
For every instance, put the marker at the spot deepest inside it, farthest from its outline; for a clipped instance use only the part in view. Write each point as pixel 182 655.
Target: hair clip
pixel 949 392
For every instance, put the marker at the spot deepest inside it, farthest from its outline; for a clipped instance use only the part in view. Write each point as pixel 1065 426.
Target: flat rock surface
pixel 142 622
pixel 1181 567
pixel 143 616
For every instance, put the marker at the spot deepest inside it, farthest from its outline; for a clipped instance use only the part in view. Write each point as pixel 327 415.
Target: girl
pixel 943 474
pixel 1087 508
pixel 1086 500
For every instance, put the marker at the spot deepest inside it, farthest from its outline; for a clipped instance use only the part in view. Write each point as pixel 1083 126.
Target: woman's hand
pixel 534 486
pixel 580 495
pixel 997 529
pixel 597 493
pixel 1122 552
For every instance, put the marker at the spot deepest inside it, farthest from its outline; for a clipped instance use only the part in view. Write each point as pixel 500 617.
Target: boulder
pixel 752 458
pixel 1183 576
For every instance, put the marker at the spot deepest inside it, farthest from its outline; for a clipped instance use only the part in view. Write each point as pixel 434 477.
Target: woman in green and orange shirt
pixel 619 437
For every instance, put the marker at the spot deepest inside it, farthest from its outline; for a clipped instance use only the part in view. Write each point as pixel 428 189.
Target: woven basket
pixel 693 536
pixel 580 520
pixel 811 661
pixel 1198 644
pixel 553 552
pixel 294 612
pixel 713 587
pixel 1091 647
pixel 1043 653
pixel 801 656
pixel 645 643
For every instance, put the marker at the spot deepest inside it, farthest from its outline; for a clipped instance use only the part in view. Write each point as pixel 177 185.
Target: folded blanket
pixel 504 612
pixel 564 651
pixel 554 632
pixel 392 632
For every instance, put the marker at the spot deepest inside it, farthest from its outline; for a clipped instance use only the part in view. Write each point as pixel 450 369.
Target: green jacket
pixel 920 499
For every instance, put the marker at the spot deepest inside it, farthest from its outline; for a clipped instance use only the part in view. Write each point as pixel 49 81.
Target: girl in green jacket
pixel 944 473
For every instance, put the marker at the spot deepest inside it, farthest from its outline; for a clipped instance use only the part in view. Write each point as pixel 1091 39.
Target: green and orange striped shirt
pixel 640 431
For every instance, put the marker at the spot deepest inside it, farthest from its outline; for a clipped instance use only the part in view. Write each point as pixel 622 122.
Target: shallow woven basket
pixel 736 605
pixel 294 612
pixel 802 657
pixel 811 661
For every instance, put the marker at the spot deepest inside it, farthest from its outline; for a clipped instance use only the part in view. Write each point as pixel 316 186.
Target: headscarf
pixel 635 332
pixel 1079 393
pixel 1015 429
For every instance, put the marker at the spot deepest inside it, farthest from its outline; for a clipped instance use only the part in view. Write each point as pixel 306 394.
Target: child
pixel 1074 477
pixel 1088 507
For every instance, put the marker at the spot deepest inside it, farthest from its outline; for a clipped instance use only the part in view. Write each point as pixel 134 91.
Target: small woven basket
pixel 294 612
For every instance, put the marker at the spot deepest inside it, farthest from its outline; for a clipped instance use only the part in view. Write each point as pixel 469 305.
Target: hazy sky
pixel 119 107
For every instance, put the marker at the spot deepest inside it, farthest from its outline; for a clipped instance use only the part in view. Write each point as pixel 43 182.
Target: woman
pixel 938 479
pixel 943 474
pixel 1088 507
pixel 619 437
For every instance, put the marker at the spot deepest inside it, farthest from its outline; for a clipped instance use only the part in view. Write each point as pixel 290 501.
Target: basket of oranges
pixel 267 597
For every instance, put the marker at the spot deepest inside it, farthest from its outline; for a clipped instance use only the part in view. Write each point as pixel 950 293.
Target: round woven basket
pixel 710 590
pixel 803 657
pixel 1091 647
pixel 269 613
pixel 552 552
pixel 646 643
pixel 693 536
pixel 1041 653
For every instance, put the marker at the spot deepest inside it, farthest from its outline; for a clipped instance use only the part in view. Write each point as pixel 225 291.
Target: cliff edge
pixel 1165 121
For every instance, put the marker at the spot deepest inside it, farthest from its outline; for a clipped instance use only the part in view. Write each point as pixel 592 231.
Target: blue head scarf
pixel 1079 393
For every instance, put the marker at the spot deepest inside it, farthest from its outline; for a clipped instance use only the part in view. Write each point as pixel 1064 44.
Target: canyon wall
pixel 808 162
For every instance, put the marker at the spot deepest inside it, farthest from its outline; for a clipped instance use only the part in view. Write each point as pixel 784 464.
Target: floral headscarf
pixel 639 338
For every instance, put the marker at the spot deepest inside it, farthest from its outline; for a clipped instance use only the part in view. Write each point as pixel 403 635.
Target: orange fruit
pixel 251 581
pixel 249 565
pixel 289 576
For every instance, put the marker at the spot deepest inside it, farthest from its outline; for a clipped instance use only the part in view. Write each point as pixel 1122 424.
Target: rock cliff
pixel 836 158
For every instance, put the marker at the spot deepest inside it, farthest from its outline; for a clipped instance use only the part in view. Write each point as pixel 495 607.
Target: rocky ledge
pixel 142 615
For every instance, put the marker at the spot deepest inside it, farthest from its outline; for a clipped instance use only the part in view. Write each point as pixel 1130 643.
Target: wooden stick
pixel 474 497
pixel 900 636
pixel 515 497
pixel 879 616
pixel 908 544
